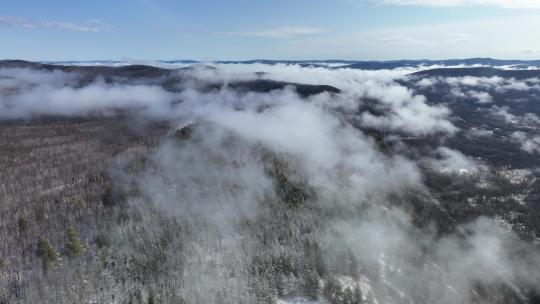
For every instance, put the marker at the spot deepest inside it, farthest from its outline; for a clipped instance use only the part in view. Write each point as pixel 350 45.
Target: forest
pixel 265 183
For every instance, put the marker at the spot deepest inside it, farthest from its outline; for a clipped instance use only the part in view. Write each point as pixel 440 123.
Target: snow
pixel 517 176
pixel 297 301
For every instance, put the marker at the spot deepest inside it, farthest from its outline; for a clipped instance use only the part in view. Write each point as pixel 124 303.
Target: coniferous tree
pixel 311 284
pixel 47 253
pixel 357 295
pixel 41 214
pixel 348 296
pixel 73 244
pixel 23 225
pixel 332 290
pixel 151 297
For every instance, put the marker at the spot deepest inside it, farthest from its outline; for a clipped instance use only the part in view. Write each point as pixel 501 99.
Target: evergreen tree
pixel 73 244
pixel 103 240
pixel 41 214
pixel 47 253
pixel 311 284
pixel 347 296
pixel 332 290
pixel 357 295
pixel 23 225
pixel 263 292
pixel 151 297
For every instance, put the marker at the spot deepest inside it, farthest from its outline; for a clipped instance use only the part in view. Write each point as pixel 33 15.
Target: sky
pixel 271 29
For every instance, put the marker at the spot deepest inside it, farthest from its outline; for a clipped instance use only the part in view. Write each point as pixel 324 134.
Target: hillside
pixel 268 183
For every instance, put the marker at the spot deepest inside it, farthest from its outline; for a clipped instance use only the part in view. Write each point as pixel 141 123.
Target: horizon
pixel 285 60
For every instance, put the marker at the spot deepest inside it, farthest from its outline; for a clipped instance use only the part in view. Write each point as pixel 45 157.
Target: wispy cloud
pixel 282 32
pixel 474 38
pixel 513 4
pixel 89 26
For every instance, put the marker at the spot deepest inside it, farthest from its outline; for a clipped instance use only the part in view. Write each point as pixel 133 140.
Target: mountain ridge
pixel 354 64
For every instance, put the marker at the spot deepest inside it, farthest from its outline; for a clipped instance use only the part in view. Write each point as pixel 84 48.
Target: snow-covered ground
pixel 299 301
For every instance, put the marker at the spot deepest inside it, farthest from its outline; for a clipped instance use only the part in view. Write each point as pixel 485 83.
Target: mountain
pixel 478 72
pixel 379 65
pixel 170 79
pixel 222 183
pixel 353 64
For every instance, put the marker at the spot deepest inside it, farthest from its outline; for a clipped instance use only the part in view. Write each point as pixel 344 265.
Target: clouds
pixel 314 145
pixel 281 32
pixel 528 143
pixel 375 31
pixel 410 114
pixel 233 158
pixel 399 108
pixel 317 127
pixel 477 96
pixel 19 22
pixel 402 109
pixel 511 4
pixel 482 90
pixel 503 113
pixel 481 97
pixel 290 125
pixel 26 93
pixel 453 161
pixel 245 152
pixel 213 175
pixel 479 132
pixel 445 39
pixel 497 84
pixel 388 246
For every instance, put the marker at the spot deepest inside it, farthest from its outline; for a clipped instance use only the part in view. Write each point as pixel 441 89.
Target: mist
pixel 236 164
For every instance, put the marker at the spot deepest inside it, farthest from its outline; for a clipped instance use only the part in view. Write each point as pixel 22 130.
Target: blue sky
pixel 273 29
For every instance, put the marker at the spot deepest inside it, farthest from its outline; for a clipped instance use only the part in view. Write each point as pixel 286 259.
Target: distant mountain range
pixel 169 79
pixel 479 72
pixel 353 64
pixel 475 67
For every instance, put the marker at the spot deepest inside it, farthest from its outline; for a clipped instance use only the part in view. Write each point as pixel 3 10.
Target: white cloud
pixel 503 113
pixel 478 87
pixel 479 132
pixel 29 92
pixel 454 161
pixel 404 110
pixel 513 4
pixel 282 32
pixel 90 26
pixel 529 144
pixel 466 39
pixel 481 97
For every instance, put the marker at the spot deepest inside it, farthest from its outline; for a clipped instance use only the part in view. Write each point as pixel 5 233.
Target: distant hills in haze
pixel 353 64
pixel 480 72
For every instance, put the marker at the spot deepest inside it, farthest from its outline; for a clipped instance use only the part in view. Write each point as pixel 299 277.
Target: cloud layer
pixel 233 158
pixel 28 93
pixel 282 32
pixel 19 22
